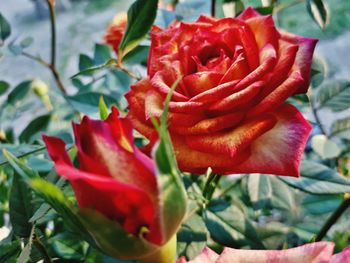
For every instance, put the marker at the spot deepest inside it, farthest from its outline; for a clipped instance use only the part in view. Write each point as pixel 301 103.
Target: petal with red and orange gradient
pixel 95 138
pixel 201 81
pixel 127 204
pixel 238 99
pixel 234 141
pixel 279 150
pixel 278 96
pixel 319 252
pixel 210 125
pixel 303 58
pixel 193 161
pixel 154 108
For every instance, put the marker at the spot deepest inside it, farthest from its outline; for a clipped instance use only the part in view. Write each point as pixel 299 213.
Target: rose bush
pixel 320 252
pixel 229 111
pixel 120 182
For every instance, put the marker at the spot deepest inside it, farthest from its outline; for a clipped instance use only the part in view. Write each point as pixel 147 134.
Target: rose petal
pixel 279 150
pixel 234 141
pixel 319 252
pixel 278 96
pixel 286 57
pixel 154 108
pixel 207 126
pixel 342 257
pixel 303 59
pixel 207 256
pixel 238 99
pixel 201 81
pixel 190 160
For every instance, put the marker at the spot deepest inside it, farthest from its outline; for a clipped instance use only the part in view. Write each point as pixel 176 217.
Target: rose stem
pixel 52 66
pixel 213 5
pixel 334 217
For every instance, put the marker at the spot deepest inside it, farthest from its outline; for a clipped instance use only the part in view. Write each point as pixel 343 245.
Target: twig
pixel 131 74
pixel 213 6
pixel 334 217
pixel 52 65
pixel 40 246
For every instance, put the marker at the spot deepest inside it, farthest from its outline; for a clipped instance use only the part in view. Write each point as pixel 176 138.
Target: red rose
pixel 319 252
pixel 118 180
pixel 115 31
pixel 229 111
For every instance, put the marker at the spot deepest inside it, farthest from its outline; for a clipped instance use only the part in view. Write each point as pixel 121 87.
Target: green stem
pixel 40 246
pixel 334 218
pixel 210 186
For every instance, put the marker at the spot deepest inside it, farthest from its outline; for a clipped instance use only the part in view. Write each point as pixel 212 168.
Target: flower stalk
pixel 166 254
pixel 334 217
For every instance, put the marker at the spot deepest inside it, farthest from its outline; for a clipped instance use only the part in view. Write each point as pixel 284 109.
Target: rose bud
pixel 115 31
pixel 140 205
pixel 320 252
pixel 229 111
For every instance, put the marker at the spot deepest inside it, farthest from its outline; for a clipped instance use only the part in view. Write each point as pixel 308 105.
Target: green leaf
pixel 103 109
pixel 192 237
pixel 22 169
pixel 3 87
pixel 9 250
pixel 91 70
pixel 5 28
pixel 102 54
pixel 58 201
pixel 85 62
pixel 321 204
pixel 340 126
pixel 139 55
pixel 318 11
pixel 228 225
pixel 26 42
pixel 20 150
pixel 21 208
pixel 68 246
pixel 282 197
pixel 112 239
pixel 318 179
pixel 334 94
pixel 88 102
pixel 37 125
pixel 141 16
pixel 19 92
pixel 259 190
pixel 319 71
pixel 325 147
pixel 265 10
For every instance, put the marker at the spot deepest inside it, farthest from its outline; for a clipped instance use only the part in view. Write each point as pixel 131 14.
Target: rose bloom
pixel 320 252
pixel 115 31
pixel 114 177
pixel 228 111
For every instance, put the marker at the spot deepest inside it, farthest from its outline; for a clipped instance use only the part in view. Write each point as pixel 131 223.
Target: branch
pixel 334 217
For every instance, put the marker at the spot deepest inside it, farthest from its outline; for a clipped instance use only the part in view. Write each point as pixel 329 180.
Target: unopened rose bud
pixel 39 87
pixel 2 135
